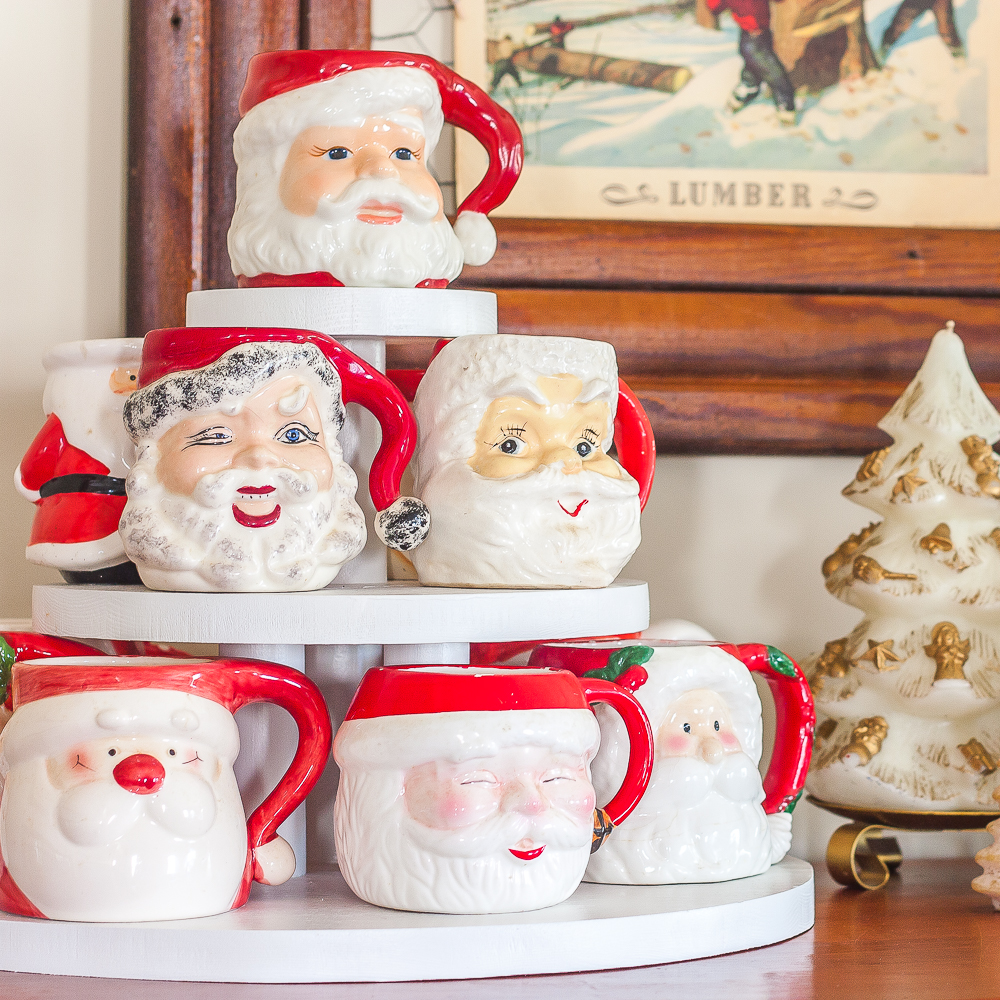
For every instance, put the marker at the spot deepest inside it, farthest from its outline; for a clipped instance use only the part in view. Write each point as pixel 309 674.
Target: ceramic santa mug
pixel 706 816
pixel 119 801
pixel 239 483
pixel 512 462
pixel 332 182
pixel 74 470
pixel 467 789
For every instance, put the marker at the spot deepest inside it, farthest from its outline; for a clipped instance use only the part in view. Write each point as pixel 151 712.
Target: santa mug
pixel 119 801
pixel 706 816
pixel 467 789
pixel 239 482
pixel 332 182
pixel 512 462
pixel 74 470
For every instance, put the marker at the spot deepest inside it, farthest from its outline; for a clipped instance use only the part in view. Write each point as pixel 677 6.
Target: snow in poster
pixel 849 112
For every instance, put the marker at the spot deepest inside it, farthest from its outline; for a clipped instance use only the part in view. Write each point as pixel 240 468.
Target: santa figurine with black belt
pixel 332 184
pixel 74 470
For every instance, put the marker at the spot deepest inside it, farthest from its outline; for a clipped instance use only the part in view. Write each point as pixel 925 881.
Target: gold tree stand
pixel 860 856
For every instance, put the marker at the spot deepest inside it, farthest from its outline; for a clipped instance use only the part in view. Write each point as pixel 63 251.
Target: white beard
pixel 697 822
pixel 98 852
pixel 390 860
pixel 511 532
pixel 265 237
pixel 195 544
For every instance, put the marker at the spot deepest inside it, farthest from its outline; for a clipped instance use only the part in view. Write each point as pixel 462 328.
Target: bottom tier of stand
pixel 313 929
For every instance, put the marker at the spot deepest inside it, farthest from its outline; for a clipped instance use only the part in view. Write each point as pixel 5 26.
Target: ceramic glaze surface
pixel 702 818
pixel 909 702
pixel 478 800
pixel 119 801
pixel 332 183
pixel 512 463
pixel 239 482
pixel 74 471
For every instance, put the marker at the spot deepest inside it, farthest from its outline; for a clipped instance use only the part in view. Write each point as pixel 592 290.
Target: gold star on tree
pixel 907 484
pixel 881 654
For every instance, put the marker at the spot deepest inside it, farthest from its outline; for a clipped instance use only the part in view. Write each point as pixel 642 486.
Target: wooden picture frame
pixel 738 338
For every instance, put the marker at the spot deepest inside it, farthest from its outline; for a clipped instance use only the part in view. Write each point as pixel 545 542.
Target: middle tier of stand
pixel 383 614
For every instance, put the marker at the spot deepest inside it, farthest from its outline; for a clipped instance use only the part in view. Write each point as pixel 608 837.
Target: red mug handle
pixel 796 720
pixel 296 694
pixel 17 646
pixel 640 755
pixel 635 441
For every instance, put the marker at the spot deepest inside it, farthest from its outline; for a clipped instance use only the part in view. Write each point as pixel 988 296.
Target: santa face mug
pixel 119 801
pixel 706 816
pixel 239 482
pixel 74 471
pixel 332 184
pixel 512 463
pixel 467 789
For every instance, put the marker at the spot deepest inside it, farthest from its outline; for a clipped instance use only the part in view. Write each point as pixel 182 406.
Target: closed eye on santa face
pixel 296 432
pixel 210 436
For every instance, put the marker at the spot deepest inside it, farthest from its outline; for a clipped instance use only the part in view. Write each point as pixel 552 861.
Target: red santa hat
pixel 189 370
pixel 404 716
pixel 274 75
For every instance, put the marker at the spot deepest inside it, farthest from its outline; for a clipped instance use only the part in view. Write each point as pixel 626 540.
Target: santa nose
pixel 140 774
pixel 712 750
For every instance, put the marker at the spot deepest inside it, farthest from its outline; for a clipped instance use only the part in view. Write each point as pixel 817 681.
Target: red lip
pixel 529 855
pixel 377 213
pixel 573 513
pixel 260 521
pixel 253 490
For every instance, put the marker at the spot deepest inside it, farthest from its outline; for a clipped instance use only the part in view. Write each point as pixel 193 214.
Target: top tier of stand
pixel 378 313
pixel 385 614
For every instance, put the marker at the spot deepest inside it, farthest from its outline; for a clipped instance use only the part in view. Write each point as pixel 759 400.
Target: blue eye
pixel 338 153
pixel 295 434
pixel 404 154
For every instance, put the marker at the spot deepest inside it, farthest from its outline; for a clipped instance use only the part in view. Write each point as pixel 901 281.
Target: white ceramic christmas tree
pixel 908 704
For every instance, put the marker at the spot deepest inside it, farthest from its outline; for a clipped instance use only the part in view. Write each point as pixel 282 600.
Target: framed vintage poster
pixel 835 112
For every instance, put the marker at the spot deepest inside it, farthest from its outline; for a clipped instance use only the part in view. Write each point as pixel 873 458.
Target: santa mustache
pixel 550 482
pixel 683 782
pixel 101 812
pixel 414 207
pixel 554 830
pixel 282 486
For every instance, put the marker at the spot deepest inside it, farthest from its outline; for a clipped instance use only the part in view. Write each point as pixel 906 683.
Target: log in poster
pixel 850 112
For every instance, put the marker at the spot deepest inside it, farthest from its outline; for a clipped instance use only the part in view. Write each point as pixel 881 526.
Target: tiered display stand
pixel 313 929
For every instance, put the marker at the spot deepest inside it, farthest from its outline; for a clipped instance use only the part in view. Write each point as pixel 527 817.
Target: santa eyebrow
pixel 322 151
pixel 590 434
pixel 222 435
pixel 513 431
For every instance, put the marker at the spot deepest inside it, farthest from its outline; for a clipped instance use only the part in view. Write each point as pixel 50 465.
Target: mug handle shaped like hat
pixel 634 437
pixel 640 756
pixel 255 681
pixel 17 646
pixel 795 718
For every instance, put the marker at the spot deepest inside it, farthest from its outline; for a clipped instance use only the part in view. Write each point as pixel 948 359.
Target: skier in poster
pixel 504 65
pixel 760 64
pixel 909 11
pixel 558 30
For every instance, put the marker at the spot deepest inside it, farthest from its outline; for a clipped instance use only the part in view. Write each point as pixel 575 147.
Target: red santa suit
pixel 74 471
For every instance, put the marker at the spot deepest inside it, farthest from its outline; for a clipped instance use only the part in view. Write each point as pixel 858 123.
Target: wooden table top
pixel 926 935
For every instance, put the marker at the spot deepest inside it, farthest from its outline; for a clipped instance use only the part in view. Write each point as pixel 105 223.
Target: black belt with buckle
pixel 110 486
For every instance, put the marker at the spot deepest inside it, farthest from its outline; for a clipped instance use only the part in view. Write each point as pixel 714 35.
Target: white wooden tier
pixel 385 614
pixel 314 930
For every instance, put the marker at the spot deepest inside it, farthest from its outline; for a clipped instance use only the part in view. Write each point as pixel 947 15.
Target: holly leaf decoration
pixel 620 661
pixel 780 663
pixel 7 658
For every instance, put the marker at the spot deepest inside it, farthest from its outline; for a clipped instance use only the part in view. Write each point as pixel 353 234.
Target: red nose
pixel 140 774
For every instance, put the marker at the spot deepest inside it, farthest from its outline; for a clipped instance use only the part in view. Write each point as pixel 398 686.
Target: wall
pixel 62 67
pixel 732 543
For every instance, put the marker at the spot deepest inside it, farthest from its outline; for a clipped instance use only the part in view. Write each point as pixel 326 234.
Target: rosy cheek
pixel 677 746
pixel 575 797
pixel 729 742
pixel 450 810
